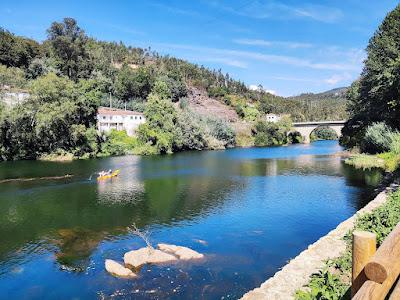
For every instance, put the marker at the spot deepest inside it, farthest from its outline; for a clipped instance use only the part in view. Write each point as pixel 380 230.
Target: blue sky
pixel 289 46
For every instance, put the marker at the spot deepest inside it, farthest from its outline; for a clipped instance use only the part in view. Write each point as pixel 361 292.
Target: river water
pixel 248 210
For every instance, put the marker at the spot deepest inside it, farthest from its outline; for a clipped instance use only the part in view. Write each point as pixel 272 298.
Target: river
pixel 248 210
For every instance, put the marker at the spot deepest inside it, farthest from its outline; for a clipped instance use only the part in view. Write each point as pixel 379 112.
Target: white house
pixel 13 98
pixel 272 118
pixel 119 119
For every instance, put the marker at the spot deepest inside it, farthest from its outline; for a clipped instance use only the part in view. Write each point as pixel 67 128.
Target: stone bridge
pixel 305 128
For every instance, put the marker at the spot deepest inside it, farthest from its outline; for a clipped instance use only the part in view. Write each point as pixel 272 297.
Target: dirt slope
pixel 202 104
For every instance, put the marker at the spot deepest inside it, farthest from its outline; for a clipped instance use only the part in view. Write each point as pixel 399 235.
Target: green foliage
pixel 217 91
pixel 17 51
pixel 323 286
pixel 41 66
pixel 250 113
pixel 269 134
pixel 323 133
pixel 59 115
pixel 376 96
pixel 175 84
pixel 377 138
pixel 383 219
pixel 391 159
pixel 395 144
pixel 295 137
pixel 118 143
pixel 68 44
pixel 131 84
pixel 365 161
pixel 160 129
pixel 220 130
pixel 192 131
pixel 13 77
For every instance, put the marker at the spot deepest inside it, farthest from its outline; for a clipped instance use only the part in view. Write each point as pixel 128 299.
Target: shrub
pixel 240 111
pixel 365 161
pixel 323 133
pixel 377 138
pixel 391 160
pixel 118 143
pixel 183 103
pixel 220 130
pixel 268 134
pixel 191 131
pixel 295 137
pixel 250 113
pixel 395 144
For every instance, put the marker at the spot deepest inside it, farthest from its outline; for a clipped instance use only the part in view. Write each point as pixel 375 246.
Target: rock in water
pixel 137 258
pixel 183 253
pixel 118 270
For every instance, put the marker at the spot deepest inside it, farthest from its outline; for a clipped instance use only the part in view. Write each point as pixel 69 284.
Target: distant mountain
pixel 334 94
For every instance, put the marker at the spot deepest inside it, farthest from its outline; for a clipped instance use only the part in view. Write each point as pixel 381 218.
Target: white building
pixel 119 119
pixel 13 98
pixel 272 118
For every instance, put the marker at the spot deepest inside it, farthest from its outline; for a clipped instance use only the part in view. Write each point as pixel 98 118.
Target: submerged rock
pixel 118 270
pixel 181 252
pixel 146 255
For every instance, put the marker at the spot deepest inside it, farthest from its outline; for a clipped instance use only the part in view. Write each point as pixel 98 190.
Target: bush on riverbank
pixel 333 282
pixel 323 133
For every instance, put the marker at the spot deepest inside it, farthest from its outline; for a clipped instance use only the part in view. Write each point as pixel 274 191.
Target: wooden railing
pixel 375 272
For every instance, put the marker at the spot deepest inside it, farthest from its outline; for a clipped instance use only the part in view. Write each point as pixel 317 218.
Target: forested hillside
pixel 374 106
pixel 69 75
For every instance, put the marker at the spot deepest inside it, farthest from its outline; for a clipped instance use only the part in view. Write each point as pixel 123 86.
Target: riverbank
pixel 296 274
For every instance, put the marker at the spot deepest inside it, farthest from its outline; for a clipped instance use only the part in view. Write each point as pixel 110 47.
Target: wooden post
pixel 385 263
pixel 364 247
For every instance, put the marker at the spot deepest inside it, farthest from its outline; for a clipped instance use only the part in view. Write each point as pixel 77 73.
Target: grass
pixel 365 161
pixel 388 161
pixel 333 282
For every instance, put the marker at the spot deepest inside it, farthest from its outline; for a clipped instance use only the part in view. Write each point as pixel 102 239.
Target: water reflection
pixel 245 204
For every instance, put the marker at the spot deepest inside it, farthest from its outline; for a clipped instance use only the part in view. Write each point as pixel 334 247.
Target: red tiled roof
pixel 117 112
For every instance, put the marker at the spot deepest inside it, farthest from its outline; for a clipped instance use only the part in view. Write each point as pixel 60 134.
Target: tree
pixel 17 51
pixel 131 84
pixel 68 44
pixel 375 97
pixel 160 129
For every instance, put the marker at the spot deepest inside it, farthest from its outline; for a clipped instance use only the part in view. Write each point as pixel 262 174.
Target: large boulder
pixel 181 252
pixel 118 270
pixel 146 255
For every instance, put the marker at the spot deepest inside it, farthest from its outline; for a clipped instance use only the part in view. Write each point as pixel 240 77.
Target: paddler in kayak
pixel 104 173
pixel 107 174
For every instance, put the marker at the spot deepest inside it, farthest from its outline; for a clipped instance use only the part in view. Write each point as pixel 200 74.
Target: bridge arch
pixel 306 128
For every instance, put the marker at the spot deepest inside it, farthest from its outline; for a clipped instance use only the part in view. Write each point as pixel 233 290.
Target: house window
pixel 135 117
pixel 104 117
pixel 140 118
pixel 131 118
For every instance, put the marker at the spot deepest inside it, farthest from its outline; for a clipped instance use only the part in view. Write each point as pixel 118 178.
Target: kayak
pixel 108 176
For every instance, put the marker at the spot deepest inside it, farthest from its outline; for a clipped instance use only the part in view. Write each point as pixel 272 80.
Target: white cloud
pixel 255 87
pixel 277 10
pixel 337 78
pixel 268 58
pixel 271 92
pixel 265 43
pixel 225 61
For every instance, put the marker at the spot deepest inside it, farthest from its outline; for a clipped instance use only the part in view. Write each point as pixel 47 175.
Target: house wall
pixel 130 123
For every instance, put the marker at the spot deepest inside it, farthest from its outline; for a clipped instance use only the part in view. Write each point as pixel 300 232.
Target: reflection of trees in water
pixel 77 217
pixel 302 165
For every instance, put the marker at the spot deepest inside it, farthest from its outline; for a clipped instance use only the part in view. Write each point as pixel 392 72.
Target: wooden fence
pixel 375 272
